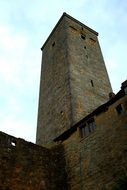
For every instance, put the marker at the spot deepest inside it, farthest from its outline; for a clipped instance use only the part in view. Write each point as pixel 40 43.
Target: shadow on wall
pixel 27 166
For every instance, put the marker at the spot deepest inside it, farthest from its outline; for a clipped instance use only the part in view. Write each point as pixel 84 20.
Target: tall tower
pixel 74 80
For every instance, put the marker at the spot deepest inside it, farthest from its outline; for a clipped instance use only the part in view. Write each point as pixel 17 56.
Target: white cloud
pixel 18 128
pixel 10 40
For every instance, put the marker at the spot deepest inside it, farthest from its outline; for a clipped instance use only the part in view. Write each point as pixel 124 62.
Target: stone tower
pixel 74 80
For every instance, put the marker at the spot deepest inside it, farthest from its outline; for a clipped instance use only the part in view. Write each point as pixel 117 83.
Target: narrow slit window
pixel 73 28
pixel 83 36
pixel 61 113
pixel 92 40
pixel 119 109
pixel 92 84
pixel 53 44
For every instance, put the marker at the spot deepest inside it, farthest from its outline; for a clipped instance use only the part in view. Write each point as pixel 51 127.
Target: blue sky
pixel 24 27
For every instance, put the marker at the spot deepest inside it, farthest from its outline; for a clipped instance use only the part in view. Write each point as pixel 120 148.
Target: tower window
pixel 61 113
pixel 119 109
pixel 53 44
pixel 73 28
pixel 92 125
pixel 83 36
pixel 87 128
pixel 92 84
pixel 92 40
pixel 83 131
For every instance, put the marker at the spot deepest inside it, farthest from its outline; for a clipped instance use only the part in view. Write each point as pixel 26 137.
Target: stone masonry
pixel 74 80
pixel 95 161
pixel 27 166
pixel 98 160
pixel 83 130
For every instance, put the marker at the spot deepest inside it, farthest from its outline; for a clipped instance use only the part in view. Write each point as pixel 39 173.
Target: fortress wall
pixel 26 166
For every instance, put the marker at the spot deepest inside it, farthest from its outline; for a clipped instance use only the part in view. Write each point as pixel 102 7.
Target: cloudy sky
pixel 24 27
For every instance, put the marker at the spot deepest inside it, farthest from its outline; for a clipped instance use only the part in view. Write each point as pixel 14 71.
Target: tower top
pixel 75 20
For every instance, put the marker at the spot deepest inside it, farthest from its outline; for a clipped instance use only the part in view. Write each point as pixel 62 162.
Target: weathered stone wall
pixel 74 79
pixel 60 176
pixel 89 80
pixel 54 113
pixel 91 163
pixel 97 161
pixel 26 166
